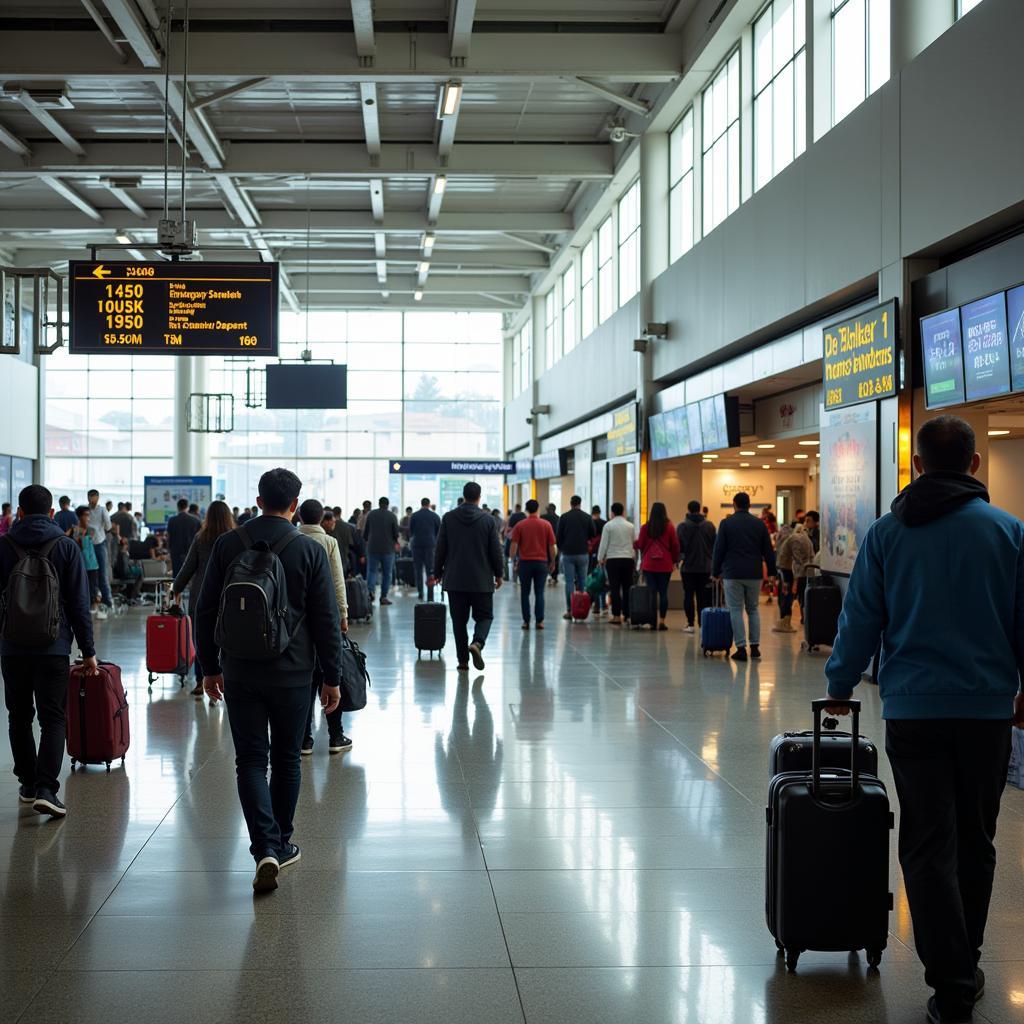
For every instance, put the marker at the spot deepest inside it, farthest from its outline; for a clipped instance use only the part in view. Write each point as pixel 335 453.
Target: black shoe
pixel 740 654
pixel 474 653
pixel 934 1017
pixel 338 744
pixel 307 746
pixel 267 870
pixel 47 803
pixel 463 668
pixel 26 794
pixel 290 854
pixel 755 650
pixel 384 601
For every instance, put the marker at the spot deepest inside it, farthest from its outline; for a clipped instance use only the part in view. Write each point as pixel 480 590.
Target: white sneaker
pixel 689 629
pixel 101 614
pixel 93 611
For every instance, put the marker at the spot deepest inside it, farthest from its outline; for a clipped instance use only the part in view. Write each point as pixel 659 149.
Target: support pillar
pixel 182 438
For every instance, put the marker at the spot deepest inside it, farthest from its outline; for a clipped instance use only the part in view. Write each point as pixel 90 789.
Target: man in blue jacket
pixel 36 676
pixel 949 681
pixel 424 526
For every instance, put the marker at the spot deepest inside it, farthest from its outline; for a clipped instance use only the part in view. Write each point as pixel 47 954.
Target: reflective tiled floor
pixel 574 835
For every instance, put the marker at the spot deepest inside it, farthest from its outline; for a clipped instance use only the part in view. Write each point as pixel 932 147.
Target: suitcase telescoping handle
pixel 818 706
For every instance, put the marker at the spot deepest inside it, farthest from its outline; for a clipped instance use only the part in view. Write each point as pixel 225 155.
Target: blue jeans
pixel 533 573
pixel 104 574
pixel 740 594
pixel 385 565
pixel 422 566
pixel 574 568
pixel 267 723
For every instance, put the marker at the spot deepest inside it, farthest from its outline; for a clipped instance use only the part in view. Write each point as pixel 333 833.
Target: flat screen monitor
pixel 695 434
pixel 658 427
pixel 709 426
pixel 943 358
pixel 986 349
pixel 682 430
pixel 1015 332
pixel 307 386
pixel 551 464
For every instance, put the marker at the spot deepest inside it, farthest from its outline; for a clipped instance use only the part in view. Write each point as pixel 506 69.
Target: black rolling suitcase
pixel 827 857
pixel 793 751
pixel 357 594
pixel 429 624
pixel 823 601
pixel 643 606
pixel 405 571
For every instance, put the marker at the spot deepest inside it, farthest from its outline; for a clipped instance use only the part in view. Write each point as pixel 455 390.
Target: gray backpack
pixel 31 599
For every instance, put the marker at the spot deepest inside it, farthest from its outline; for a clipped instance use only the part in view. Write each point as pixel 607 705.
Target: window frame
pixel 588 287
pixel 627 246
pixel 609 289
pixel 552 341
pixel 678 184
pixel 730 135
pixel 870 12
pixel 570 336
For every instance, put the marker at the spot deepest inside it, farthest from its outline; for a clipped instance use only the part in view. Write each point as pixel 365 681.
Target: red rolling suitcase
pixel 580 605
pixel 98 729
pixel 169 646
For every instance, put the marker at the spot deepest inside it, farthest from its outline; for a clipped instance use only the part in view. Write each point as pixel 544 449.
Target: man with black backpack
pixel 266 614
pixel 45 600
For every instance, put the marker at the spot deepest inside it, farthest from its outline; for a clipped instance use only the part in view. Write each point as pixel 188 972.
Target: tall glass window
pixel 629 243
pixel 588 291
pixel 860 52
pixel 720 113
pixel 607 302
pixel 780 87
pixel 963 6
pixel 525 356
pixel 569 308
pixel 680 195
pixel 552 335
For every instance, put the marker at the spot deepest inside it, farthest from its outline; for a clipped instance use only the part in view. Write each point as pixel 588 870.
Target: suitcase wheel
pixel 792 956
pixel 108 767
pixel 182 680
pixel 72 764
pixel 874 958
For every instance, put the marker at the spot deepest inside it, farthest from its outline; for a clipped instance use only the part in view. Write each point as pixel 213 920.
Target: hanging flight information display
pixel 189 309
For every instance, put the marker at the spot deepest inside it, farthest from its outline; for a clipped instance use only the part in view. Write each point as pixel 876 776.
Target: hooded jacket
pixel 468 555
pixel 34 532
pixel 940 581
pixel 696 542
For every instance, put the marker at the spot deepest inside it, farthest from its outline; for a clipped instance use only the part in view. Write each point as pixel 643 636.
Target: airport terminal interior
pixel 631 252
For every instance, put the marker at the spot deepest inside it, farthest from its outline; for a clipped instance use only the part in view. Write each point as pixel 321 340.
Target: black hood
pixel 468 513
pixel 935 495
pixel 695 517
pixel 34 531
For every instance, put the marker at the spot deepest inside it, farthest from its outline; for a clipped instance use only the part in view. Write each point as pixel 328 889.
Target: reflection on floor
pixel 574 835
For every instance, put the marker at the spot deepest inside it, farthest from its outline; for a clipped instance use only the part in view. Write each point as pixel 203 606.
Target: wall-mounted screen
pixel 694 432
pixel 681 430
pixel 709 425
pixel 703 426
pixel 1015 332
pixel 986 350
pixel 551 464
pixel 943 359
pixel 307 386
pixel 662 446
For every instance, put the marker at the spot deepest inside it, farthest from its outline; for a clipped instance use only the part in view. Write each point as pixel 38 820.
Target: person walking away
pixel 551 516
pixel 181 531
pixel 794 555
pixel 67 517
pixel 658 545
pixel 617 555
pixel 424 526
pixel 80 535
pixel 572 536
pixel 193 570
pixel 743 548
pixel 245 516
pixel 380 531
pixel 696 546
pixel 949 685
pixel 468 561
pixel 363 514
pixel 403 523
pixel 533 544
pixel 6 518
pixel 99 526
pixel 311 512
pixel 595 543
pixel 46 604
pixel 289 602
pixel 812 524
pixel 124 521
pixel 514 518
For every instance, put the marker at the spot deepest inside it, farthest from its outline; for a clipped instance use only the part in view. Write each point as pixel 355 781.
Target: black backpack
pixel 354 677
pixel 31 600
pixel 253 618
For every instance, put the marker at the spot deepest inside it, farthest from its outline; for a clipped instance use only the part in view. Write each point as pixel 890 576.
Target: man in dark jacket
pixel 573 534
pixel 949 681
pixel 272 694
pixel 380 531
pixel 696 547
pixel 812 524
pixel 424 526
pixel 742 549
pixel 469 562
pixel 181 531
pixel 550 515
pixel 36 677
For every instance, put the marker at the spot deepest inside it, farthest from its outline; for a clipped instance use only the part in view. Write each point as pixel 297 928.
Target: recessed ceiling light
pixel 124 238
pixel 440 184
pixel 710 455
pixel 801 455
pixel 817 455
pixel 744 465
pixel 418 295
pixel 748 453
pixel 809 444
pixel 765 446
pixel 448 101
pixel 766 466
pixel 998 433
pixel 780 461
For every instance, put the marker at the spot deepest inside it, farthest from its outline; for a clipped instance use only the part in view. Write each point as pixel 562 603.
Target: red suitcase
pixel 98 730
pixel 169 646
pixel 580 605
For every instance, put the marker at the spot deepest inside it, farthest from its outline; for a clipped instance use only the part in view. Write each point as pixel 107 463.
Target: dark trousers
pixel 786 597
pixel 460 604
pixel 801 590
pixel 696 594
pixel 533 574
pixel 267 723
pixel 422 566
pixel 36 684
pixel 333 719
pixel 658 582
pixel 620 579
pixel 950 775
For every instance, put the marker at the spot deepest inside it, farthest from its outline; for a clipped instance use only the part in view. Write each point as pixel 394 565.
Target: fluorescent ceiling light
pixel 998 433
pixel 810 444
pixel 440 184
pixel 765 446
pixel 125 239
pixel 801 455
pixel 744 465
pixel 709 455
pixel 780 461
pixel 428 242
pixel 418 295
pixel 424 267
pixel 766 466
pixel 451 97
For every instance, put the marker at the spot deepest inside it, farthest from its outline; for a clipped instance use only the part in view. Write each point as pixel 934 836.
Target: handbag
pixel 354 677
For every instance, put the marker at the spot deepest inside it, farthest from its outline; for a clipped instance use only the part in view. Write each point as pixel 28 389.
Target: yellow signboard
pixel 622 439
pixel 860 362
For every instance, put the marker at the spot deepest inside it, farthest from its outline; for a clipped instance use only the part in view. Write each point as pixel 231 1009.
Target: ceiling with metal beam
pixel 379 149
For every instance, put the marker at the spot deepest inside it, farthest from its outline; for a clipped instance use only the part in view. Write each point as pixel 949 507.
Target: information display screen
pixel 709 425
pixel 860 357
pixel 986 350
pixel 161 494
pixel 681 430
pixel 189 309
pixel 698 427
pixel 307 386
pixel 1015 332
pixel 693 422
pixel 550 464
pixel 662 435
pixel 943 359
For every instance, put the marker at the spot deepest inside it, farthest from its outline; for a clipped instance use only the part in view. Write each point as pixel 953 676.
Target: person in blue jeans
pixel 99 526
pixel 575 530
pixel 424 526
pixel 532 542
pixel 381 534
pixel 742 548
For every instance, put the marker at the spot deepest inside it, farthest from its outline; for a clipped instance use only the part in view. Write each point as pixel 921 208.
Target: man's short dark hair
pixel 367 503
pixel 383 502
pixel 741 499
pixel 693 507
pixel 424 503
pixel 92 492
pixel 193 507
pixel 596 510
pixel 472 492
pixel 183 504
pixel 120 506
pixel 575 501
pixel 328 514
pixel 64 500
pixel 35 500
pixel 812 515
pixel 617 508
pixel 532 506
pixel 946 444
pixel 82 510
pixel 278 489
pixel 127 506
pixel 311 512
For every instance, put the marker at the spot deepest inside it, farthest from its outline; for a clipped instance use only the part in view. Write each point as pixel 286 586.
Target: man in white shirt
pixel 618 557
pixel 99 526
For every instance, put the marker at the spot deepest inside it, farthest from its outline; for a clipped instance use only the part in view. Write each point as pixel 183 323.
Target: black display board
pixel 860 362
pixel 189 309
pixel 307 386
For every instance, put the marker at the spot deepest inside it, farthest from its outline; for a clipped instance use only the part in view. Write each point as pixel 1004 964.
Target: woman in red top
pixel 658 545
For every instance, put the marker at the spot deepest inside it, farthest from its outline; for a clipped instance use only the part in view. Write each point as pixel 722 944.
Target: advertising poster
pixel 162 494
pixel 986 351
pixel 848 483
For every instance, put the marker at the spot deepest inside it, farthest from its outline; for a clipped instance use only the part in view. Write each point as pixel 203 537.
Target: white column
pixel 200 443
pixel 182 440
pixel 539 342
pixel 654 239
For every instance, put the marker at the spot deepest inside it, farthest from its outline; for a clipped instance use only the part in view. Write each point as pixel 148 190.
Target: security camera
pixel 540 410
pixel 640 345
pixel 656 330
pixel 529 421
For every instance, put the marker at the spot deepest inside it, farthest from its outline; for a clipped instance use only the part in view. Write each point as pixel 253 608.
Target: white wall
pixel 1006 475
pixel 760 484
pixel 19 408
